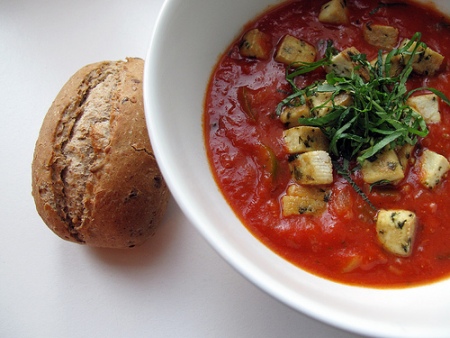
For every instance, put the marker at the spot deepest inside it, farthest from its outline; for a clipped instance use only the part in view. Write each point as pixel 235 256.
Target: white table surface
pixel 175 285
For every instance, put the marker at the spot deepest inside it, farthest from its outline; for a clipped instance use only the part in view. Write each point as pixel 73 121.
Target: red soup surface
pixel 248 156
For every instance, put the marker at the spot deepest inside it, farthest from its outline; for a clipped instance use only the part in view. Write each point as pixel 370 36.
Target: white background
pixel 175 285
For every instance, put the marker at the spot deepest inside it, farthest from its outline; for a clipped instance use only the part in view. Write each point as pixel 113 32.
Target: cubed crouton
pixel 290 114
pixel 393 68
pixel 312 168
pixel 301 200
pixel 426 105
pixel 304 138
pixel 334 12
pixel 433 167
pixel 322 102
pixel 405 155
pixel 343 99
pixel 293 52
pixel 386 167
pixel 343 65
pixel 426 61
pixel 380 36
pixel 256 44
pixel 396 231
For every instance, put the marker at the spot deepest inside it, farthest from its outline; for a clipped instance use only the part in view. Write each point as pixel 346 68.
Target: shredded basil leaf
pixel 378 118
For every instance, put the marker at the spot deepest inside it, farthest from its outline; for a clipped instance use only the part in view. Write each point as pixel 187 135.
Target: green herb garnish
pixel 379 116
pixel 344 170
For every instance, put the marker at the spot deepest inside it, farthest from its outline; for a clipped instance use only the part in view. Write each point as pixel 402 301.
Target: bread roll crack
pixel 80 149
pixel 137 148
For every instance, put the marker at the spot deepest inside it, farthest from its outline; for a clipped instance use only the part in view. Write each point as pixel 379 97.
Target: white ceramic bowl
pixel 187 41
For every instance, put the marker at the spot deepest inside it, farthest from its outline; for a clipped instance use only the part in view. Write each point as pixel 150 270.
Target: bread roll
pixel 95 180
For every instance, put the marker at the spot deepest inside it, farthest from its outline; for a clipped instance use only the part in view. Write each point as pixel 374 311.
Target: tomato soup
pixel 244 142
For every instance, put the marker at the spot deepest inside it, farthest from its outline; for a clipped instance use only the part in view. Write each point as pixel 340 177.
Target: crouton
pixel 426 105
pixel 386 167
pixel 393 68
pixel 322 102
pixel 290 114
pixel 405 155
pixel 301 200
pixel 426 61
pixel 433 167
pixel 293 52
pixel 312 168
pixel 343 65
pixel 396 231
pixel 256 44
pixel 380 36
pixel 334 12
pixel 304 138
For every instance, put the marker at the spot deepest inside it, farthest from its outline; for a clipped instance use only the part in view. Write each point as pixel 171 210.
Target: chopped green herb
pixel 379 116
pixel 343 169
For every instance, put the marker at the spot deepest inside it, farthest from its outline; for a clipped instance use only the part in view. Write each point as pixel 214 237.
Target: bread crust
pixel 95 179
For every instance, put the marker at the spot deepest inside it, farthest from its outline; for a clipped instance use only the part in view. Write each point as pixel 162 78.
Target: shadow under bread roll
pixel 95 180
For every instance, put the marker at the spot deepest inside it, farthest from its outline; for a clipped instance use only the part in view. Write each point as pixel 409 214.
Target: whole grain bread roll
pixel 95 180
